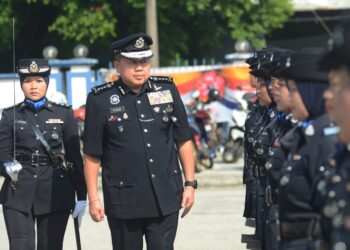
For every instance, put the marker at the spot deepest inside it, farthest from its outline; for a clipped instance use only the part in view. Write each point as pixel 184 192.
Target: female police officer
pixel 307 145
pixel 39 186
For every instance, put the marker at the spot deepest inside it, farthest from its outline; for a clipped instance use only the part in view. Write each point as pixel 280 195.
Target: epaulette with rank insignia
pixel 101 88
pixel 161 79
pixel 60 104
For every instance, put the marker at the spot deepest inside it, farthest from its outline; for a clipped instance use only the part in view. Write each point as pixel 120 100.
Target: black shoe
pixel 250 222
pixel 245 238
pixel 256 245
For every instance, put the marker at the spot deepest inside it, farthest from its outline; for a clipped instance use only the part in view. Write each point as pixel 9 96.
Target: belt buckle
pixel 35 162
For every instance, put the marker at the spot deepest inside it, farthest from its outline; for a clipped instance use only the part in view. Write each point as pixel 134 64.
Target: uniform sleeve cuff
pixel 92 149
pixel 182 134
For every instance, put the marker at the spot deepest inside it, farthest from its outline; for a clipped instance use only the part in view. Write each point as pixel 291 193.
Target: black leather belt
pixel 34 160
pixel 259 171
pixel 302 229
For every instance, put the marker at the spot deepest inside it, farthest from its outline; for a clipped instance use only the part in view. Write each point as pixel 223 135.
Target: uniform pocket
pixel 175 179
pixel 119 126
pixel 122 191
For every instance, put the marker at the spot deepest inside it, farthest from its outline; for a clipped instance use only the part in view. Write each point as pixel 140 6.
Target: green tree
pixel 187 28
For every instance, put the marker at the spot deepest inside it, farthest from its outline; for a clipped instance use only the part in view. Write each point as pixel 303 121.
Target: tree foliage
pixel 187 28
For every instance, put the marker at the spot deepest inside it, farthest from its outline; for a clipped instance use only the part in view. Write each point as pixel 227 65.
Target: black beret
pixel 340 52
pixel 33 67
pixel 135 46
pixel 304 66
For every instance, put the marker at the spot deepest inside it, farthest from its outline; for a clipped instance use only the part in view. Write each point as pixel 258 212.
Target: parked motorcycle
pixel 203 131
pixel 234 148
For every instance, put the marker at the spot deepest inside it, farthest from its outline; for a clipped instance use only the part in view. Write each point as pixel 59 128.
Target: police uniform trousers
pixel 250 196
pixel 21 229
pixel 260 207
pixel 270 230
pixel 127 234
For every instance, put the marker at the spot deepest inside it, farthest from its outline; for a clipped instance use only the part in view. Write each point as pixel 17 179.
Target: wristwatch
pixel 193 184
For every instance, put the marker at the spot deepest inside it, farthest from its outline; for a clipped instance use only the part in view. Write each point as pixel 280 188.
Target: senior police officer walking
pixel 136 128
pixel 40 183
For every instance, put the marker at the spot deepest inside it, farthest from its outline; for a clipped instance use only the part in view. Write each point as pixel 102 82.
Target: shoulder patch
pixel 161 79
pixel 102 88
pixel 61 105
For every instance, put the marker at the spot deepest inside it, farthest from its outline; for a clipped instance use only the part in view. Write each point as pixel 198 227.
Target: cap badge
pixel 139 43
pixel 288 62
pixel 33 68
pixel 114 99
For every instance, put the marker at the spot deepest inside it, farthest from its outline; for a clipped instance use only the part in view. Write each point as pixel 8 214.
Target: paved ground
pixel 215 222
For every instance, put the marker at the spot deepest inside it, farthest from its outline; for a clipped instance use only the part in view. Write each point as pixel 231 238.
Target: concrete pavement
pixel 215 222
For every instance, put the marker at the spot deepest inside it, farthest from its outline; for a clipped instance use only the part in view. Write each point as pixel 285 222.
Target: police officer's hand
pixel 187 200
pixel 96 210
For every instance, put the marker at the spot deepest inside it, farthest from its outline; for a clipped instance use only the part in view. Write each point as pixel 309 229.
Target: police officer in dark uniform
pixel 332 193
pixel 254 118
pixel 42 181
pixel 307 146
pixel 255 139
pixel 270 144
pixel 136 128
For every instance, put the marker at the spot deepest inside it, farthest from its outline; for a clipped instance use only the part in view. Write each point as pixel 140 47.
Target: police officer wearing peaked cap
pixel 39 187
pixel 136 129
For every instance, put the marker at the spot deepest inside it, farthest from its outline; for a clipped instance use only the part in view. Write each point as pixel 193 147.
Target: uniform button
pixel 150 160
pixel 37 125
pixel 36 114
pixel 121 183
pixel 138 102
pixel 153 176
pixel 142 115
pixel 149 145
pixel 35 176
pixel 145 130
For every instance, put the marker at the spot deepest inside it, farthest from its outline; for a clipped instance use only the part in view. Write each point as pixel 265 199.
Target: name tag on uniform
pixel 116 109
pixel 54 121
pixel 160 97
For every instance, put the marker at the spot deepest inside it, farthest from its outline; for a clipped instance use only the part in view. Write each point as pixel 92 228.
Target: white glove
pixel 12 169
pixel 79 210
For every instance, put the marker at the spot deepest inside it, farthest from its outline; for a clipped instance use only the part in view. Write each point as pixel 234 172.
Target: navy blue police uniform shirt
pixel 43 188
pixel 135 136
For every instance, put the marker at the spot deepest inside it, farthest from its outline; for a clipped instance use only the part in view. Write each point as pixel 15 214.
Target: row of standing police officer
pixel 295 170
